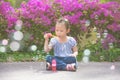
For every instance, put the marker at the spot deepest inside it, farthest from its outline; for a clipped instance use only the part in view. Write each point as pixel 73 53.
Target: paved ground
pixel 36 71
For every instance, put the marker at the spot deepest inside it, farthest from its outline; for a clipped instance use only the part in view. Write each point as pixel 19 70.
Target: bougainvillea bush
pixel 39 17
pixel 83 16
pixel 7 18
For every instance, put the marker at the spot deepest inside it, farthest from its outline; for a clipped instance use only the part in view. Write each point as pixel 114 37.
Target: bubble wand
pixel 50 35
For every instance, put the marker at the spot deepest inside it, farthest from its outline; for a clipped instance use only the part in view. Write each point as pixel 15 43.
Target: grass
pixel 21 56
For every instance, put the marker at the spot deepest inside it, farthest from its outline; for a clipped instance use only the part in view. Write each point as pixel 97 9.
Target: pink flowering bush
pixel 7 13
pixel 39 16
pixel 7 18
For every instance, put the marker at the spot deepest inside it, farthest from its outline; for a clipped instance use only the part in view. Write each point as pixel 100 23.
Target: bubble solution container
pixel 53 65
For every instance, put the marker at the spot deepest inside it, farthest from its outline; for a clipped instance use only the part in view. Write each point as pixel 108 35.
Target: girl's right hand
pixel 47 36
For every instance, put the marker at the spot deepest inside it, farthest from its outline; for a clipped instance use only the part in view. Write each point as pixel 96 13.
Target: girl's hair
pixel 64 21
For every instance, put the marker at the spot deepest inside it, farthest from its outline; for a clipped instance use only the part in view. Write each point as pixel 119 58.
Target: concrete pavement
pixel 36 71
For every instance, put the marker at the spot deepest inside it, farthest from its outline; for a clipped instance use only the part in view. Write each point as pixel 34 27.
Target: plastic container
pixel 53 65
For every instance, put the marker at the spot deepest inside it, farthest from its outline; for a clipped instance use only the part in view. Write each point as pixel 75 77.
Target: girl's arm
pixel 46 47
pixel 75 51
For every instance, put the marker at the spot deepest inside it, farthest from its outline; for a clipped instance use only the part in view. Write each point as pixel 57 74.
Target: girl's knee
pixel 73 59
pixel 48 58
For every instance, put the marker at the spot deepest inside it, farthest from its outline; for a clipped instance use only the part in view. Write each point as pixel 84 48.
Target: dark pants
pixel 61 61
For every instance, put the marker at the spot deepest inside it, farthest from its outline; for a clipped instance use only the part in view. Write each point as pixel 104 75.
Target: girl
pixel 65 47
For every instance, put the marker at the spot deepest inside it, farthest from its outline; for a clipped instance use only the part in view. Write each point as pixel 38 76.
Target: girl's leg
pixel 49 59
pixel 64 62
pixel 49 62
pixel 70 60
pixel 61 65
pixel 71 63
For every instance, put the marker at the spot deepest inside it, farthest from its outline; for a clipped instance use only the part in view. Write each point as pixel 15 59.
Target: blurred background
pixel 95 25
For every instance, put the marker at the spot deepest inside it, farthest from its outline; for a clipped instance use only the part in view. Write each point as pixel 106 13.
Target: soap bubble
pixel 85 59
pixel 86 52
pixel 18 35
pixel 33 48
pixel 98 35
pixel 19 22
pixel 18 27
pixel 96 16
pixel 110 45
pixel 112 67
pixel 2 49
pixel 14 46
pixel 105 35
pixel 87 23
pixel 4 42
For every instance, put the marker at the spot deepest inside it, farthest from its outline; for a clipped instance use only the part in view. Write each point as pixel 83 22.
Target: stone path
pixel 36 71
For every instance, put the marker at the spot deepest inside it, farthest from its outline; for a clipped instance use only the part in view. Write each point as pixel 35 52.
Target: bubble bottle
pixel 54 65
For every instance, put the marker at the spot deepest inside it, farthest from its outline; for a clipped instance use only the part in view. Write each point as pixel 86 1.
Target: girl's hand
pixel 47 36
pixel 73 55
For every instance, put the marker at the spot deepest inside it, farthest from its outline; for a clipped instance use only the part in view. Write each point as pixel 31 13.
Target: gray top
pixel 63 49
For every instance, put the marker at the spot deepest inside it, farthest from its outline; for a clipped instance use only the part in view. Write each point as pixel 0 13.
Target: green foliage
pixel 103 1
pixel 98 53
pixel 15 3
pixel 22 56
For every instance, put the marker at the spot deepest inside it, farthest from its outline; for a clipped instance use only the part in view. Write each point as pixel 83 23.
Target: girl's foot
pixel 48 66
pixel 71 67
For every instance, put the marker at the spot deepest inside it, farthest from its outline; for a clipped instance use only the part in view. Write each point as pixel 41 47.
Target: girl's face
pixel 61 30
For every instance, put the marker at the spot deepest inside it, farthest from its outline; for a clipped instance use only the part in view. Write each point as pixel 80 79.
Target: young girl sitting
pixel 65 47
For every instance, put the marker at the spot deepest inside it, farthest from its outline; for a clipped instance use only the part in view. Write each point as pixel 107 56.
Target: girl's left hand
pixel 73 55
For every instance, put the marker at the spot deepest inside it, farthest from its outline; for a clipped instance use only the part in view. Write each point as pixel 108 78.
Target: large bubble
pixel 18 35
pixel 14 46
pixel 86 52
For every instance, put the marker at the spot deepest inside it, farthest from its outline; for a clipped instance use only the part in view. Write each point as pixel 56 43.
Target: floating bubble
pixel 86 52
pixel 112 67
pixel 105 35
pixel 86 55
pixel 85 59
pixel 4 42
pixel 2 49
pixel 19 22
pixel 96 16
pixel 18 35
pixel 87 23
pixel 33 48
pixel 14 46
pixel 110 45
pixel 98 35
pixel 18 27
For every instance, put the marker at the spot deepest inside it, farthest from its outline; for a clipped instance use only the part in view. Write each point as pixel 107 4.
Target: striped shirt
pixel 62 49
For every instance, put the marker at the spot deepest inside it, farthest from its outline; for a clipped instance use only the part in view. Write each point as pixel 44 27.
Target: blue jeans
pixel 61 61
